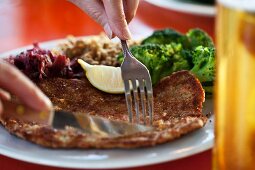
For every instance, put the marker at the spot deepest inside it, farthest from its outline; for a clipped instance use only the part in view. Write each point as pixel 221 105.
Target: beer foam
pixel 247 5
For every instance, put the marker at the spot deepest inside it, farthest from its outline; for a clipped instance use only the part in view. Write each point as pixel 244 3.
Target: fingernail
pixel 128 35
pixel 5 95
pixel 108 31
pixel 48 103
pixel 123 34
pixel 45 102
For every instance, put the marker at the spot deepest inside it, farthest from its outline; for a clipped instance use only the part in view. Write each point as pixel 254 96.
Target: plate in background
pixel 185 7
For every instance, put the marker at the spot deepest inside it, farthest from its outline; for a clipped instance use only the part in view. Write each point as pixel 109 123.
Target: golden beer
pixel 235 86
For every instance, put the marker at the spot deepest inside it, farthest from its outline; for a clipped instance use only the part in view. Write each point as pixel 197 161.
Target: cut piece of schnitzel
pixel 177 110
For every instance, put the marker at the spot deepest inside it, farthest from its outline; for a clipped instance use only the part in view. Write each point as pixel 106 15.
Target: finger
pixel 116 18
pixel 12 80
pixel 95 9
pixel 4 95
pixel 130 8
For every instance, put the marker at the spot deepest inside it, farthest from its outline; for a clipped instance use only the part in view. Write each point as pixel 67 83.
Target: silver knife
pixel 60 119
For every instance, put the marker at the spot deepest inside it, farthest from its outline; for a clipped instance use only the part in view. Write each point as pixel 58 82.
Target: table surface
pixel 23 22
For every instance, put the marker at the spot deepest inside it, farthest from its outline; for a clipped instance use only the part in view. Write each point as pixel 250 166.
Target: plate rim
pixel 190 8
pixel 62 164
pixel 59 164
pixel 156 160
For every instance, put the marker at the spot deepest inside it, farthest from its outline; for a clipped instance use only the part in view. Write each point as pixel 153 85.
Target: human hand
pixel 14 82
pixel 113 15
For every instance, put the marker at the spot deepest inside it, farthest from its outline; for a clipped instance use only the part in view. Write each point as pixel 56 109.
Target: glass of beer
pixel 235 86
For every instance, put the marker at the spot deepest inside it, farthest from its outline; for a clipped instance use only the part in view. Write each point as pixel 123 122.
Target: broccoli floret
pixel 161 60
pixel 165 36
pixel 203 59
pixel 198 37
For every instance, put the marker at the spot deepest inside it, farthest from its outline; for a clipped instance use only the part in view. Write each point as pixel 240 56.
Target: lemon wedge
pixel 105 78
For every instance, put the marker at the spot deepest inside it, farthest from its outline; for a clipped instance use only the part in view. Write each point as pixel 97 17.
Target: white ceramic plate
pixel 190 144
pixel 186 7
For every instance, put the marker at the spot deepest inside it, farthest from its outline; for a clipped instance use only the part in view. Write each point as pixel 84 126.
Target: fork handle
pixel 125 49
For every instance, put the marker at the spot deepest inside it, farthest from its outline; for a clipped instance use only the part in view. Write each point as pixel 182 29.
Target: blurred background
pixel 23 22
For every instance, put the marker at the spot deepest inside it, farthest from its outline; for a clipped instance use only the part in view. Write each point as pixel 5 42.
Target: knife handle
pixel 18 111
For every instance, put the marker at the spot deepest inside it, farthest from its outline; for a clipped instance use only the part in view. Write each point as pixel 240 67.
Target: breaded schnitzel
pixel 177 110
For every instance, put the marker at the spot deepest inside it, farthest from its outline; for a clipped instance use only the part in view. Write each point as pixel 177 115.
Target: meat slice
pixel 177 110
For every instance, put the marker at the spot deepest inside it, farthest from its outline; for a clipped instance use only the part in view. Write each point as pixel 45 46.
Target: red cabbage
pixel 38 63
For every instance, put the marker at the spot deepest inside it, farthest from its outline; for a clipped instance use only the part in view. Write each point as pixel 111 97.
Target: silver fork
pixel 135 72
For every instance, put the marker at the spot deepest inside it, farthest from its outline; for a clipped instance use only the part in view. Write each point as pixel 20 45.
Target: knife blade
pixel 59 119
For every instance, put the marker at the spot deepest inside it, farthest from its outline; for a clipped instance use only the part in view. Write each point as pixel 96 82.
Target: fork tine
pixel 149 99
pixel 136 100
pixel 128 100
pixel 143 99
pixel 150 105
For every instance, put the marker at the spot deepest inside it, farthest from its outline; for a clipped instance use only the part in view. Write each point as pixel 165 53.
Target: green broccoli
pixel 166 36
pixel 167 51
pixel 203 59
pixel 161 60
pixel 194 38
pixel 198 37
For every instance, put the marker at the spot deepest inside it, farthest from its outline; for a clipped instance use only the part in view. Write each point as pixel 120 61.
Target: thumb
pixel 95 9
